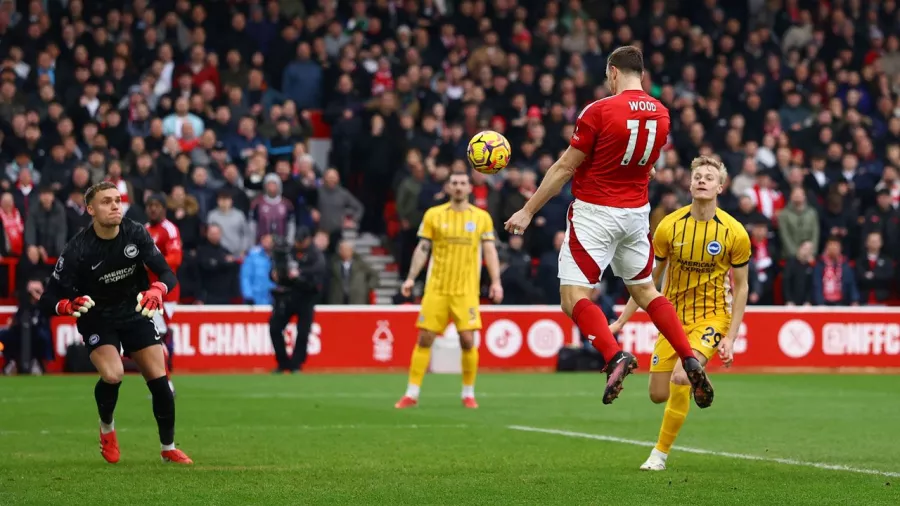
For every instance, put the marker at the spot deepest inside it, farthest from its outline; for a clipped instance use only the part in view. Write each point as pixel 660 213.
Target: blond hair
pixel 715 163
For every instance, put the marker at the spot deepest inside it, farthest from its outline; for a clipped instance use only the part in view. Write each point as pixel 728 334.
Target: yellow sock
pixel 469 370
pixel 676 411
pixel 418 365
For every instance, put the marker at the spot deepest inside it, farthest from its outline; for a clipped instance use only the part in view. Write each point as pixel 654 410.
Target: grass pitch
pixel 336 439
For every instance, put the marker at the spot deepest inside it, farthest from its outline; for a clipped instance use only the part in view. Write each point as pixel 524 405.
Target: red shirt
pixel 168 240
pixel 622 137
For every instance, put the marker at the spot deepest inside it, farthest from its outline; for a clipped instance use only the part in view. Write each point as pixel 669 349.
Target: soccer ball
pixel 489 152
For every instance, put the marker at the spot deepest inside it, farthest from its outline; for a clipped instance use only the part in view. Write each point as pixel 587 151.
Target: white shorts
pixel 601 236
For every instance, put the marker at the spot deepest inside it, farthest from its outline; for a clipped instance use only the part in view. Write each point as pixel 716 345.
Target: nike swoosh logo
pixel 94 267
pixel 678 244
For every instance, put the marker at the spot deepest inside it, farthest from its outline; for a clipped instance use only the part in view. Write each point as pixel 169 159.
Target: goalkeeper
pixel 100 279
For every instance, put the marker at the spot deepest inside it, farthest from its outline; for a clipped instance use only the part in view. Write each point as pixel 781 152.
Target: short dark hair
pixel 93 190
pixel 627 59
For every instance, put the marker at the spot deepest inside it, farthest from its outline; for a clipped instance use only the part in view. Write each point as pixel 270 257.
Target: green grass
pixel 336 439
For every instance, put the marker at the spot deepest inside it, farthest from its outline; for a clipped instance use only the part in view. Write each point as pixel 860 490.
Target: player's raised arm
pixel 60 297
pixel 557 176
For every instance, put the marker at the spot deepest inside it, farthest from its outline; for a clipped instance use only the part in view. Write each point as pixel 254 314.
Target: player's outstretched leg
pixel 621 365
pixel 164 412
pixel 107 395
pixel 152 363
pixel 678 403
pixel 593 323
pixel 418 366
pixel 469 368
pixel 108 362
pixel 663 315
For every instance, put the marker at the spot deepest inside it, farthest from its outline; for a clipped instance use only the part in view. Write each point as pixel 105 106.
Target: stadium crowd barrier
pixel 347 338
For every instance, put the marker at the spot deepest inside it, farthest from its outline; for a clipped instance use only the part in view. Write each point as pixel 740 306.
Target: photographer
pixel 40 346
pixel 298 272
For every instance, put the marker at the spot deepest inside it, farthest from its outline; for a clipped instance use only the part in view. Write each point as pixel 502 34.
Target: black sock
pixel 106 395
pixel 163 408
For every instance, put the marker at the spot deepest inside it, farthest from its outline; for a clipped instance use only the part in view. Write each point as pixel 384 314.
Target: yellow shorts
pixel 438 310
pixel 703 335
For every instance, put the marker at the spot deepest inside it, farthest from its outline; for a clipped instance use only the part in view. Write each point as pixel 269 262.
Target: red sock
pixel 663 314
pixel 593 324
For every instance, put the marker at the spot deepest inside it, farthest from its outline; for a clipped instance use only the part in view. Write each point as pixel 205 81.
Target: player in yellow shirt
pixel 703 253
pixel 455 235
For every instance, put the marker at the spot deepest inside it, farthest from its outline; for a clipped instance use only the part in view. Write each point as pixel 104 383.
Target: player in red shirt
pixel 168 240
pixel 610 158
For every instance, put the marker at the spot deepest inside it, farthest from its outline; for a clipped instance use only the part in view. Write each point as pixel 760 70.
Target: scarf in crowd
pixel 832 289
pixel 767 201
pixel 15 230
pixel 762 260
pixel 122 186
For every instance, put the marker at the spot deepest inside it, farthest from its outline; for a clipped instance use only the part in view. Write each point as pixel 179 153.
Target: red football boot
pixel 175 456
pixel 406 402
pixel 469 402
pixel 109 447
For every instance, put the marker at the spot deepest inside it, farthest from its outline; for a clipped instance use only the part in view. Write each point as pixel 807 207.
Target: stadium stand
pixel 359 110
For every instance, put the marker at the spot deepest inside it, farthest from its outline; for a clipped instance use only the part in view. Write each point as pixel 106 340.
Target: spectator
pixel 302 81
pixel 242 144
pixel 174 123
pixel 798 223
pixel 45 226
pixel 767 87
pixel 338 207
pixel 875 272
pixel 833 281
pixel 183 212
pixel 114 176
pixel 77 217
pixel 797 282
pixel 838 220
pixel 23 191
pixel 352 280
pixel 271 213
pixel 763 263
pixel 256 280
pixel 518 288
pixel 548 271
pixel 199 189
pixel 668 203
pixel 884 219
pixel 218 269
pixel 236 236
pixel 409 213
pixel 13 243
pixel 41 343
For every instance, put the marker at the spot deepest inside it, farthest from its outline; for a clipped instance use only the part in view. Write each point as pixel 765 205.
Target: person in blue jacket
pixel 256 283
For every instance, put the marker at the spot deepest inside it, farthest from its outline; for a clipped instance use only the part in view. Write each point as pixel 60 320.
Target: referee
pixel 97 279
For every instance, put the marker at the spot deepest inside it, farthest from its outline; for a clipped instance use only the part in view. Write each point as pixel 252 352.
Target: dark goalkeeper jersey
pixel 110 271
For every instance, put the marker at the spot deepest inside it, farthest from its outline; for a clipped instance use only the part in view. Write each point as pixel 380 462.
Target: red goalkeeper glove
pixel 150 300
pixel 74 307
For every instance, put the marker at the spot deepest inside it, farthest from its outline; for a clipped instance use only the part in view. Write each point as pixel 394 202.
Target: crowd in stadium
pixel 211 104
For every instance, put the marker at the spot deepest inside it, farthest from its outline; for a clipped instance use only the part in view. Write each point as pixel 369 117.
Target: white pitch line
pixel 700 451
pixel 389 395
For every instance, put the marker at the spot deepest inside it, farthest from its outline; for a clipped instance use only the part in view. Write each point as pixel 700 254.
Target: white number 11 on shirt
pixel 634 126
